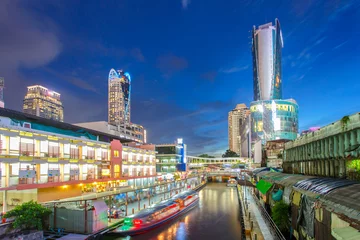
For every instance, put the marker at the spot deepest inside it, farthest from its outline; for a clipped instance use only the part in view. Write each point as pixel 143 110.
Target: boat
pixel 231 183
pixel 158 214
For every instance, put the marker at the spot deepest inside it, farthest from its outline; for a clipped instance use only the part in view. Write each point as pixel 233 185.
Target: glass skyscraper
pixel 119 97
pixel 272 118
pixel 267 42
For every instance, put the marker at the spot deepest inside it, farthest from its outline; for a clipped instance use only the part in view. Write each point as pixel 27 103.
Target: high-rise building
pixel 267 42
pixel 119 97
pixel 236 118
pixel 43 102
pixel 2 103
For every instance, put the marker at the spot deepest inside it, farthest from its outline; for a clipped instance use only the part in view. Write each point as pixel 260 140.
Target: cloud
pixel 137 55
pixel 340 45
pixel 170 64
pixel 28 41
pixel 203 128
pixel 185 3
pixel 234 69
pixel 210 76
pixel 73 79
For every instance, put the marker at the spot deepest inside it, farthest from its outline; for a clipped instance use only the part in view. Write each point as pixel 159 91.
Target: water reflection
pixel 216 217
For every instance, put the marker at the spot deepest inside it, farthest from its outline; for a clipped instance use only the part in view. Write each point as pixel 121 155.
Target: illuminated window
pixel 116 153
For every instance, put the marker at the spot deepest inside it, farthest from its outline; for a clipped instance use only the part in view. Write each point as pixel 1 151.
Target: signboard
pixel 27 173
pixel 105 172
pixel 54 173
pixel 74 172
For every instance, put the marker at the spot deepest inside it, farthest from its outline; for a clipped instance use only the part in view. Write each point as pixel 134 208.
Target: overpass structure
pixel 331 151
pixel 200 161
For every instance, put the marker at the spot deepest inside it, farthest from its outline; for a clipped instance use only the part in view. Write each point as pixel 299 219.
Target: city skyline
pixel 182 87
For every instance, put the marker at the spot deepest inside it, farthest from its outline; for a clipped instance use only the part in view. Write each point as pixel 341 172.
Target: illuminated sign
pixel 180 141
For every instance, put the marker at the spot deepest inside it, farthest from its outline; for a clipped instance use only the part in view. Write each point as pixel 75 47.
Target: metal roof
pixel 104 137
pixel 346 198
pixel 322 185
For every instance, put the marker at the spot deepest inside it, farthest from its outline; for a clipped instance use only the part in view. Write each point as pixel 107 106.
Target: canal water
pixel 216 217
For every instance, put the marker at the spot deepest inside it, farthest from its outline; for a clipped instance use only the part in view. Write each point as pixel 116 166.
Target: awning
pixel 346 233
pixel 263 186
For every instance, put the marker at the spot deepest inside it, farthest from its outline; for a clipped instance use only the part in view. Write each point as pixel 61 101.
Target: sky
pixel 189 60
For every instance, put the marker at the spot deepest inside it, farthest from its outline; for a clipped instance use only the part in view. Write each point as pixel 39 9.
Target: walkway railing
pixel 275 230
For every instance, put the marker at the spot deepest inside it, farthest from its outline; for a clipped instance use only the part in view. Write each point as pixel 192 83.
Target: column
pixel 336 146
pixel 346 143
pixel 353 141
pixel 4 209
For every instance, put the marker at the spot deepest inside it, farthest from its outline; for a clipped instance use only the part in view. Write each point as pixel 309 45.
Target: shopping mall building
pixel 46 160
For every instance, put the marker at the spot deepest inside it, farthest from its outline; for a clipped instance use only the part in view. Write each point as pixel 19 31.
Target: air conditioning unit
pixel 26 125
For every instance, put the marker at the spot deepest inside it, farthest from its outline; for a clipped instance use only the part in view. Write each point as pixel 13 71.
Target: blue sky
pixel 190 61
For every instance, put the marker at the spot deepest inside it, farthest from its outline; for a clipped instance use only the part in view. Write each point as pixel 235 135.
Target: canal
pixel 216 217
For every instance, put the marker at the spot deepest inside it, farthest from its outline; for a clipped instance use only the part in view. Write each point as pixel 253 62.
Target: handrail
pixel 276 231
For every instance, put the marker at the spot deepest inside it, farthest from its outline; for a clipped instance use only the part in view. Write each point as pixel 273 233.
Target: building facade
pixel 245 138
pixel 274 153
pixel 132 131
pixel 267 43
pixel 274 120
pixel 236 118
pixel 47 160
pixel 2 84
pixel 330 151
pixel 171 158
pixel 42 102
pixel 119 97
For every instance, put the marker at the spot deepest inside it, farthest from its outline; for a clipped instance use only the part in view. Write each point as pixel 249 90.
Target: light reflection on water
pixel 216 217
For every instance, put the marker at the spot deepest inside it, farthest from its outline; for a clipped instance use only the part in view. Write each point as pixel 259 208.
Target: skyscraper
pixel 119 97
pixel 272 118
pixel 2 103
pixel 236 118
pixel 43 102
pixel 267 42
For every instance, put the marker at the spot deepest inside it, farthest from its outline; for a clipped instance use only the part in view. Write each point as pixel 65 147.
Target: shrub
pixel 29 215
pixel 280 215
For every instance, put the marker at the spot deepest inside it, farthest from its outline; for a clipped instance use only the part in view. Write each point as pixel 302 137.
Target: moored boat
pixel 158 214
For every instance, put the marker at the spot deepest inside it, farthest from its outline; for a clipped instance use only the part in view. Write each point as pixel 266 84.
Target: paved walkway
pixel 254 209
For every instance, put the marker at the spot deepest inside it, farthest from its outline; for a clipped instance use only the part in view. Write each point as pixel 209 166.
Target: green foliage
pixel 206 156
pixel 354 165
pixel 29 215
pixel 230 153
pixel 280 215
pixel 344 122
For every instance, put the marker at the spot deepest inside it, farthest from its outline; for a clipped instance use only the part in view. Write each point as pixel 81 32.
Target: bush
pixel 29 215
pixel 280 215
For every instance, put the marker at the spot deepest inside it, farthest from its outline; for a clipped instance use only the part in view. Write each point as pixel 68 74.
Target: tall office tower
pixel 236 118
pixel 119 97
pixel 43 102
pixel 267 42
pixel 2 103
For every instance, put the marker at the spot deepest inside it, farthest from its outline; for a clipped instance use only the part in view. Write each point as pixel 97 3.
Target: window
pixel 116 153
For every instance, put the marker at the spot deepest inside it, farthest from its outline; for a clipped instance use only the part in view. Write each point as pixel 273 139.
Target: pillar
pixel 336 146
pixel 346 143
pixel 4 208
pixel 341 145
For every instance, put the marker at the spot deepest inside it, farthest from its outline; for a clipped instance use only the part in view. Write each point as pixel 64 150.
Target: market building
pixel 46 160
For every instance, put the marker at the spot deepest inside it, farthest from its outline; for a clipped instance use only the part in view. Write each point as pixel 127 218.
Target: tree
pixel 280 215
pixel 206 156
pixel 230 153
pixel 29 215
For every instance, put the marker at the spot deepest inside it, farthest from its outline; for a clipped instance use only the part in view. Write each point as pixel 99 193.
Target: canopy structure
pixel 346 233
pixel 322 185
pixel 263 186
